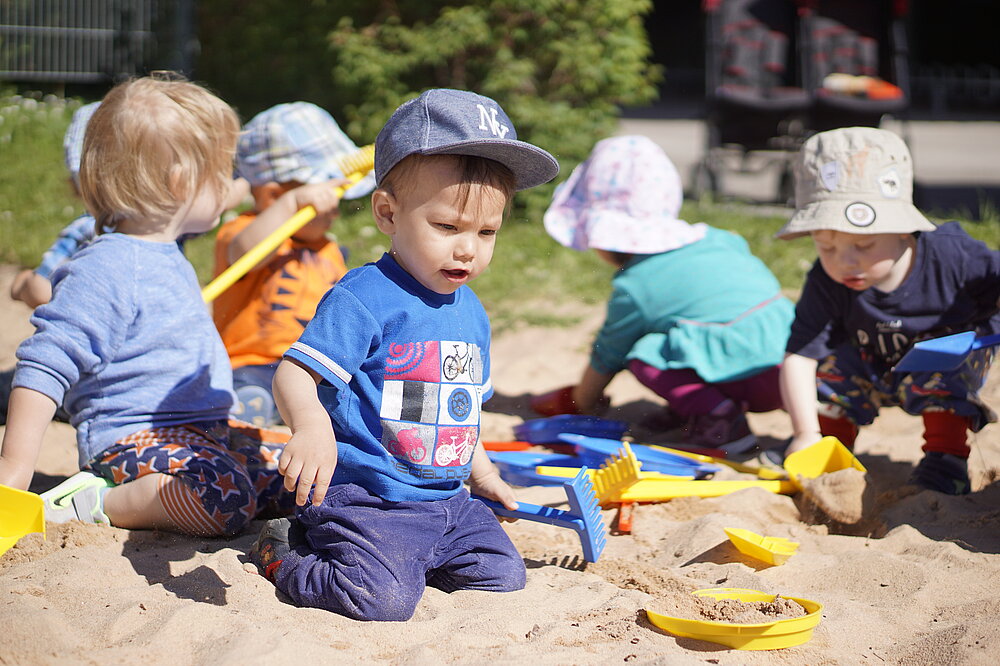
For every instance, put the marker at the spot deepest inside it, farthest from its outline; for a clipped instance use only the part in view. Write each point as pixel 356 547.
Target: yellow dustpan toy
pixel 772 550
pixel 21 513
pixel 825 456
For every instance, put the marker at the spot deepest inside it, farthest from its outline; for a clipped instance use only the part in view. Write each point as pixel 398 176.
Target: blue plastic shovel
pixel 584 514
pixel 594 451
pixel 941 354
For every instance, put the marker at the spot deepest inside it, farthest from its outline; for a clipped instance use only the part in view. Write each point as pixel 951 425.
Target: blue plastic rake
pixel 584 514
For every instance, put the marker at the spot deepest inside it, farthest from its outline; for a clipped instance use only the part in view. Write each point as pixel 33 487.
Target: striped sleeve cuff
pixel 319 362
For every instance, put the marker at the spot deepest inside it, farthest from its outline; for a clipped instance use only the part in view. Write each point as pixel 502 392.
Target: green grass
pixel 532 279
pixel 36 199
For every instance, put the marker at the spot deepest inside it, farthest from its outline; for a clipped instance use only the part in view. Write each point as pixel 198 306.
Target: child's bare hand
pixel 31 288
pixel 491 486
pixel 324 197
pixel 309 459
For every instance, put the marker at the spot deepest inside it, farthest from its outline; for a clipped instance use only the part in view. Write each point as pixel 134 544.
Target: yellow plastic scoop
pixel 825 456
pixel 773 550
pixel 21 513
pixel 765 636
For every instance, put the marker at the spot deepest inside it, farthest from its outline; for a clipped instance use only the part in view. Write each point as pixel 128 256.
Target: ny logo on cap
pixel 488 121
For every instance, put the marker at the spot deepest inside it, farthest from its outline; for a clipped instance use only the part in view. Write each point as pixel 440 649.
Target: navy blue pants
pixel 370 559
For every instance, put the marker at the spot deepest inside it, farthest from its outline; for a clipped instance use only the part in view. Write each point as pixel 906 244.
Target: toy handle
pixel 986 341
pixel 269 244
pixel 535 512
pixel 357 164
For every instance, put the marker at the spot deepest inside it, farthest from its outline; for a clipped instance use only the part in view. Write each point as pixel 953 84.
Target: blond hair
pixel 151 145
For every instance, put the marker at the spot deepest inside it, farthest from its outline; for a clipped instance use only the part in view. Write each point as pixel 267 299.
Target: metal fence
pixel 75 41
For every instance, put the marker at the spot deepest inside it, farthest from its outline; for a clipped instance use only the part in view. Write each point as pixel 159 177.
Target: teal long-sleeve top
pixel 710 306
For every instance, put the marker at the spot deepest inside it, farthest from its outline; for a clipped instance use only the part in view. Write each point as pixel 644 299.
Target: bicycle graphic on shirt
pixel 455 364
pixel 408 445
pixel 446 454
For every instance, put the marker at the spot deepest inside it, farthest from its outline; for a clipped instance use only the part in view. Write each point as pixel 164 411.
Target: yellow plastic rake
pixel 620 479
pixel 356 164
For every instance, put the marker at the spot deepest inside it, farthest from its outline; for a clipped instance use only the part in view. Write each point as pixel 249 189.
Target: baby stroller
pixel 853 60
pixel 755 107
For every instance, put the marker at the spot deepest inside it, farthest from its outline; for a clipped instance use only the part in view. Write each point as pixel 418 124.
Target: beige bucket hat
pixel 858 180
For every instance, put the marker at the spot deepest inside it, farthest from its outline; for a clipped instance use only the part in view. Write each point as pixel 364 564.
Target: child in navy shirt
pixel 886 278
pixel 383 389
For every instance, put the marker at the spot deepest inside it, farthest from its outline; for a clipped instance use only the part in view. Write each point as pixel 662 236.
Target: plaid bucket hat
pixel 624 198
pixel 858 180
pixel 297 142
pixel 443 121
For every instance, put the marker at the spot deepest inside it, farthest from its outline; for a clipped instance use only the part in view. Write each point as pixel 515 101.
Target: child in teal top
pixel 693 313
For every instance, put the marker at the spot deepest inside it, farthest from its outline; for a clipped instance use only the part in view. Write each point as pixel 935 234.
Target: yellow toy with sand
pixel 772 550
pixel 782 633
pixel 21 513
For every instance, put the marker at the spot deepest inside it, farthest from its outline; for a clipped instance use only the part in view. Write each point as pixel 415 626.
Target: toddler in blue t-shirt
pixel 384 388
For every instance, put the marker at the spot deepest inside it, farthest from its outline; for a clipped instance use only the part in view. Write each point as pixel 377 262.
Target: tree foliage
pixel 559 68
pixel 261 53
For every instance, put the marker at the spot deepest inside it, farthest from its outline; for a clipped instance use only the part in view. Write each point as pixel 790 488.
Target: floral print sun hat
pixel 624 198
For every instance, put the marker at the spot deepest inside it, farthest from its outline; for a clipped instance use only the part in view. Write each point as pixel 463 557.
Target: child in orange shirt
pixel 290 156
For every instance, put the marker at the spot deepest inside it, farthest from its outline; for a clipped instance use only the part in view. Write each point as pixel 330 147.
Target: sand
pixel 905 576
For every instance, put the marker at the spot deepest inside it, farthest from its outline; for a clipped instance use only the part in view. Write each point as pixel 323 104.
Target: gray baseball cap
pixel 442 121
pixel 858 180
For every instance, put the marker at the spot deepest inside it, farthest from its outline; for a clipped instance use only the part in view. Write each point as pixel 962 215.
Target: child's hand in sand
pixel 308 460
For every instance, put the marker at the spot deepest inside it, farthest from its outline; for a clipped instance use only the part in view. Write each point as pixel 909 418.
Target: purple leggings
pixel 689 395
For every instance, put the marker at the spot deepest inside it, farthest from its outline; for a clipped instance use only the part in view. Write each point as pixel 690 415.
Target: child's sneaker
pixel 273 545
pixel 943 472
pixel 728 431
pixel 80 497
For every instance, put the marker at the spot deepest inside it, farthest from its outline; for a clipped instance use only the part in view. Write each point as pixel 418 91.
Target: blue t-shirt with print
pixel 405 372
pixel 952 287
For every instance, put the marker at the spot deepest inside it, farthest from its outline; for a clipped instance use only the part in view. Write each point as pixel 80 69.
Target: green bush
pixel 36 198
